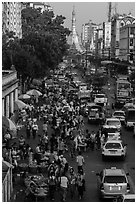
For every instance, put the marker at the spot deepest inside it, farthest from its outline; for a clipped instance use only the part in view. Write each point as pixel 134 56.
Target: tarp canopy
pixel 106 62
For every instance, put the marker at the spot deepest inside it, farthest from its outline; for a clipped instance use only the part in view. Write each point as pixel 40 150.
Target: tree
pixel 41 48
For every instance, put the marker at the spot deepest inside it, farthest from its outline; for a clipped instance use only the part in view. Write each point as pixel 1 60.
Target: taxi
pixel 114 148
pixel 112 182
pixel 114 121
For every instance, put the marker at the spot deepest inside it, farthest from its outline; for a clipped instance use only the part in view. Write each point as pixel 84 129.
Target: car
pixel 100 99
pixel 87 108
pixel 128 198
pixel 128 106
pixel 111 131
pixel 114 148
pixel 95 114
pixel 82 87
pixel 112 182
pixel 125 198
pixel 114 121
pixel 95 90
pixel 120 115
pixel 130 118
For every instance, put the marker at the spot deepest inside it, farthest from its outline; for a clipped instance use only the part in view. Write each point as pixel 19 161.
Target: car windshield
pixel 111 130
pixel 112 122
pixel 119 114
pixel 113 146
pixel 114 179
pixel 100 96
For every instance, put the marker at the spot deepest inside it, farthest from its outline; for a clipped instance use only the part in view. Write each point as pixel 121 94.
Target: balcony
pixel 8 76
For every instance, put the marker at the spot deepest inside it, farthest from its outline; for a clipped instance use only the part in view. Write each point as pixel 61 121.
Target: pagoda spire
pixel 73 21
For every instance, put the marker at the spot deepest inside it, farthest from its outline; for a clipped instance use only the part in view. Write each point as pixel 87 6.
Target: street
pixel 93 160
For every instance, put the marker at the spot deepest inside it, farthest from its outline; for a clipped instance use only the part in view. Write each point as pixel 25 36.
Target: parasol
pixel 8 124
pixel 34 92
pixel 19 105
pixel 24 96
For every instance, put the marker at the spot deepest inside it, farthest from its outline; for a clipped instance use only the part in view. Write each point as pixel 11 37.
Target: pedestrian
pixel 98 142
pixel 52 185
pixel 80 161
pixel 28 131
pixel 34 130
pixel 45 128
pixel 80 185
pixel 72 181
pixel 92 140
pixel 21 142
pixel 64 186
pixel 61 146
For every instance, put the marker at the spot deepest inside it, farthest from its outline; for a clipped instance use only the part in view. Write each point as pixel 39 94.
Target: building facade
pixel 86 34
pixel 127 43
pixel 9 92
pixel 99 41
pixel 117 22
pixel 106 39
pixel 11 17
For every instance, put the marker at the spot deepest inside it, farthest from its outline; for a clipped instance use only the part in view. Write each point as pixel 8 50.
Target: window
pixel 113 123
pixel 131 57
pixel 131 42
pixel 113 146
pixel 115 179
pixel 132 31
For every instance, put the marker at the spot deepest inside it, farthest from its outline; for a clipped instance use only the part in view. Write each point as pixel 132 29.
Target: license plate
pixel 112 152
pixel 114 188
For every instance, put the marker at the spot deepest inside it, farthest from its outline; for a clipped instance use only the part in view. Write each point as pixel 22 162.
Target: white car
pixel 119 114
pixel 114 148
pixel 112 183
pixel 128 198
pixel 112 132
pixel 100 99
pixel 115 122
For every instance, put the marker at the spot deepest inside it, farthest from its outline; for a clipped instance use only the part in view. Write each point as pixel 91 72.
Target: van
pixel 130 118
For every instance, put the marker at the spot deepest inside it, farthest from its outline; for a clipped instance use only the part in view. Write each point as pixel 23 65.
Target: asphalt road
pixel 93 161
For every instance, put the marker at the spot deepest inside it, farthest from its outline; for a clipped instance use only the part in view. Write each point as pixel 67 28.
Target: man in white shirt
pixel 64 185
pixel 80 162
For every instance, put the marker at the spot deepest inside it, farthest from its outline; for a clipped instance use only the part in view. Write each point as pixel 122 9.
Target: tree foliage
pixel 42 46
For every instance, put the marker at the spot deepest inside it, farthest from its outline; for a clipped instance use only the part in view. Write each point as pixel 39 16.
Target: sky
pixel 85 11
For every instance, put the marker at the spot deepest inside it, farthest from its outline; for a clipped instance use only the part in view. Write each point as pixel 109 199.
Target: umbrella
pixel 7 123
pixel 19 105
pixel 24 96
pixel 34 92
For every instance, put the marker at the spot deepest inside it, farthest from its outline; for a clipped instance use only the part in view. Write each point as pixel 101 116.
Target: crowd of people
pixel 60 111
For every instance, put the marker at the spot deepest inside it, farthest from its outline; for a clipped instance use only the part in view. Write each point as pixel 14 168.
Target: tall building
pixel 11 17
pixel 117 22
pixel 99 41
pixel 93 38
pixel 86 34
pixel 106 39
pixel 127 43
pixel 73 39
